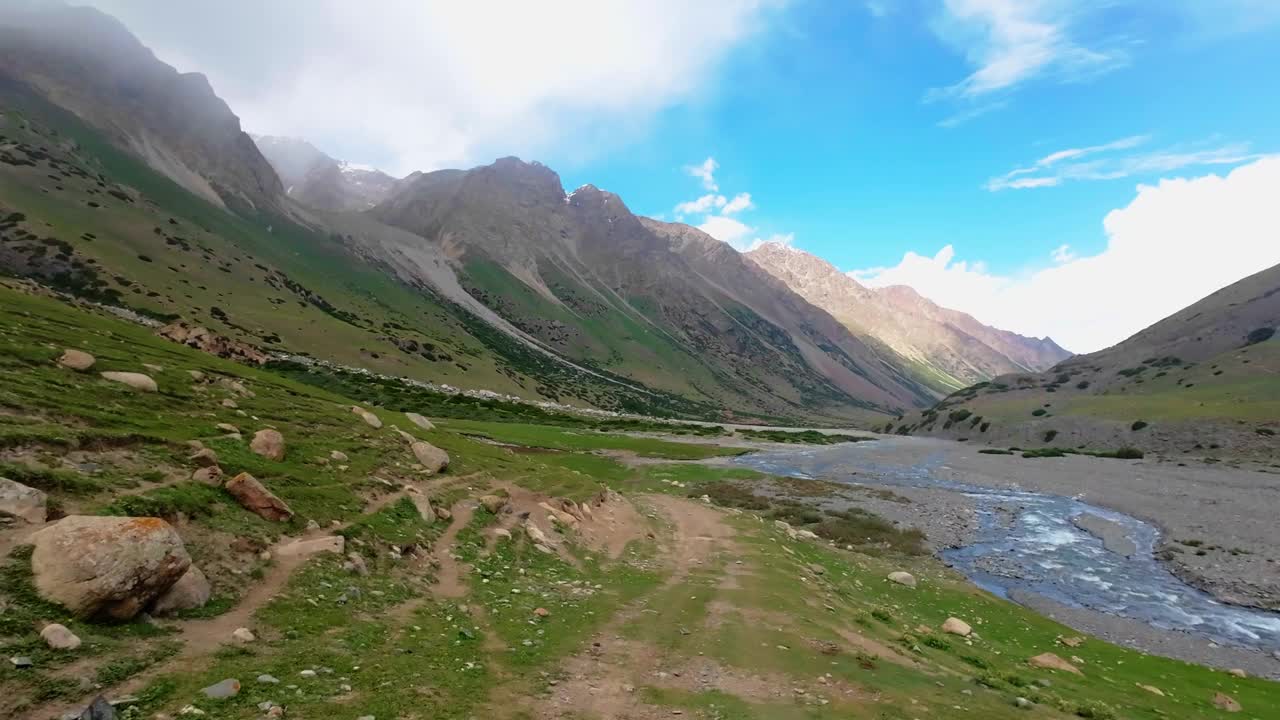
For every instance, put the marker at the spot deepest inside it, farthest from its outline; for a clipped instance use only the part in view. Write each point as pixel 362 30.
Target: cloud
pixel 726 229
pixel 704 204
pixel 1104 162
pixel 423 85
pixel 706 172
pixel 740 202
pixel 787 239
pixel 1009 42
pixel 972 113
pixel 1062 254
pixel 1176 242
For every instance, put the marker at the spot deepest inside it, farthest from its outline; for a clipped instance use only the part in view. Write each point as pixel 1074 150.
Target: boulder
pixel 420 421
pixel 257 499
pixel 23 502
pixel 432 458
pixel 228 428
pixel 196 375
pixel 502 533
pixel 108 567
pixel 1151 689
pixel 338 455
pixel 1237 672
pixel 268 443
pixel 78 360
pixel 99 709
pixel 228 688
pixel 956 626
pixel 493 503
pixel 138 381
pixel 58 637
pixel 208 475
pixel 1049 661
pixel 535 533
pixel 559 516
pixel 903 578
pixel 1223 701
pixel 244 635
pixel 204 457
pixel 191 591
pixel 370 419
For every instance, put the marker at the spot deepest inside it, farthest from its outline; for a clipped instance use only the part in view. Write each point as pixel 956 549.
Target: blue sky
pixel 1072 168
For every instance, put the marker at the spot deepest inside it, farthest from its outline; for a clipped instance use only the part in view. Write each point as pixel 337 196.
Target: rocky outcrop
pixel 190 592
pixel 20 501
pixel 257 499
pixel 203 339
pixel 107 567
pixel 432 458
pixel 269 444
pixel 138 381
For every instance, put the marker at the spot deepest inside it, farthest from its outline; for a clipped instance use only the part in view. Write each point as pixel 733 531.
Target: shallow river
pixel 1026 541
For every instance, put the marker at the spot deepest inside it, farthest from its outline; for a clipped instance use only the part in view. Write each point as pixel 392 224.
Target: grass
pixel 801 437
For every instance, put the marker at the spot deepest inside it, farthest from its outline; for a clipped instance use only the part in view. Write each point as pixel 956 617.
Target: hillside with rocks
pixel 1202 383
pixel 944 349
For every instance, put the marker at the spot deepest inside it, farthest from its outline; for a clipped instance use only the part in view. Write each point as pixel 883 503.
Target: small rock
pixel 329 543
pixel 1237 672
pixel 1049 661
pixel 228 428
pixel 541 612
pixel 1223 701
pixel 244 635
pixel 268 679
pixel 59 637
pixel 338 456
pixel 268 443
pixel 20 661
pixel 956 626
pixel 20 501
pixel 1023 703
pixel 1072 641
pixel 256 498
pixel 308 673
pixel 420 421
pixel 221 690
pixel 191 591
pixel 370 419
pixel 208 475
pixel 355 564
pixel 196 375
pixel 1151 689
pixel 204 457
pixel 817 569
pixel 444 513
pixel 903 578
pixel 137 381
pixel 190 710
pixel 229 404
pixel 502 533
pixel 99 709
pixel 77 360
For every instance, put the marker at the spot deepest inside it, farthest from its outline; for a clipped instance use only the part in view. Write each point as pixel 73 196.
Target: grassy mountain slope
pixel 664 605
pixel 1203 382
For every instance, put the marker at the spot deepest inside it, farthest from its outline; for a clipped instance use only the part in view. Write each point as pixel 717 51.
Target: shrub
pixel 994 451
pixel 1083 384
pixel 1049 435
pixel 984 426
pixel 1128 453
pixel 1038 412
pixel 959 415
pixel 1259 335
pixel 1138 425
pixel 1266 432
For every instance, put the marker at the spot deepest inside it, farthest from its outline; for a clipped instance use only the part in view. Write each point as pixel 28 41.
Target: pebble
pixel 20 661
pixel 1022 702
pixel 308 673
pixel 264 678
pixel 224 689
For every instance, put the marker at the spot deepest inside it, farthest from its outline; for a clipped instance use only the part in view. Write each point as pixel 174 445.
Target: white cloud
pixel 704 204
pixel 1106 162
pixel 1062 254
pixel 726 229
pixel 740 202
pixel 1009 42
pixel 423 85
pixel 1176 242
pixel 786 239
pixel 706 172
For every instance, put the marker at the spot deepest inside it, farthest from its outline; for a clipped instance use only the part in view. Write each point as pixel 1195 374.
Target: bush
pixel 1049 435
pixel 994 451
pixel 1039 412
pixel 985 426
pixel 1128 453
pixel 959 415
pixel 1138 425
pixel 1082 385
pixel 1260 335
pixel 1266 432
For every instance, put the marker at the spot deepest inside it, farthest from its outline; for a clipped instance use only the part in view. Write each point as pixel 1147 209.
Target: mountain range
pixel 130 183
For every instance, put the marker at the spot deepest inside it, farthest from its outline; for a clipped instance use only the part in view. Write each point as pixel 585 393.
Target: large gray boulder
pixel 138 381
pixel 190 592
pixel 107 567
pixel 256 498
pixel 432 458
pixel 268 443
pixel 22 502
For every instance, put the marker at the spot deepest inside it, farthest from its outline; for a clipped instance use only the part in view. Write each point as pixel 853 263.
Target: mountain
pixel 1204 381
pixel 666 305
pixel 942 349
pixel 318 181
pixel 88 63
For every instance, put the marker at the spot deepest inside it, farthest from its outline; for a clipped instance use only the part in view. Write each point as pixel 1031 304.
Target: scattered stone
pixel 77 360
pixel 137 381
pixel 806 535
pixel 27 503
pixel 329 543
pixel 59 637
pixel 229 404
pixel 903 578
pixel 111 567
pixel 227 428
pixel 541 612
pixel 1023 703
pixel 269 444
pixel 268 679
pixel 208 475
pixel 191 591
pixel 355 564
pixel 432 458
pixel 1073 642
pixel 1151 689
pixel 20 661
pixel 502 533
pixel 817 569
pixel 190 710
pixel 444 513
pixel 221 690
pixel 1223 701
pixel 201 338
pixel 196 375
pixel 493 503
pixel 244 635
pixel 956 626
pixel 99 709
pixel 420 421
pixel 338 455
pixel 257 499
pixel 204 457
pixel 1237 672
pixel 370 419
pixel 1049 661
pixel 308 673
pixel 535 533
pixel 153 367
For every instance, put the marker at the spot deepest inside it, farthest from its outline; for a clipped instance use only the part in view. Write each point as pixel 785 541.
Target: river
pixel 1027 542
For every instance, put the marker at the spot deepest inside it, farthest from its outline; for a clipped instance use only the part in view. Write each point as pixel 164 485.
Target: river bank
pixel 1211 526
